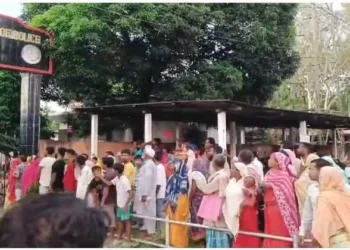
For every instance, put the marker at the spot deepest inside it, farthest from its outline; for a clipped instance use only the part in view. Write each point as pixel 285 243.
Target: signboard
pixel 22 48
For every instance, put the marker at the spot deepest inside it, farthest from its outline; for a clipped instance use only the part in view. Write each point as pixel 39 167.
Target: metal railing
pixel 294 240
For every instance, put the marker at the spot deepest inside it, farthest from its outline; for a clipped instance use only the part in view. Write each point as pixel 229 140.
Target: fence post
pixel 167 232
pixel 296 241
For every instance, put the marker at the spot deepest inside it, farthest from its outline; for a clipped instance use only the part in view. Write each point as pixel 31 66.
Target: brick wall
pixel 83 146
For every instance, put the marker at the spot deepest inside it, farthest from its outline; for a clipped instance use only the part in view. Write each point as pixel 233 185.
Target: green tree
pixel 108 52
pixel 10 100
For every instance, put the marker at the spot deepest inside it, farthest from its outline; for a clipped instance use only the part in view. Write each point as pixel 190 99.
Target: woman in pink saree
pixel 281 212
pixel 31 176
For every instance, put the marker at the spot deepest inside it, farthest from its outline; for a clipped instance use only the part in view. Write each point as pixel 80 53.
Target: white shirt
pixel 122 186
pixel 307 217
pixel 46 168
pixel 161 181
pixel 259 167
pixel 83 182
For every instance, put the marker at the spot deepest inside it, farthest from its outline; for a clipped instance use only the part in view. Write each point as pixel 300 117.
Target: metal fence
pixel 294 240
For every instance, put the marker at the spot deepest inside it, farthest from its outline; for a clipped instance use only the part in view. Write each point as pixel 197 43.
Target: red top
pixel 69 181
pixel 15 162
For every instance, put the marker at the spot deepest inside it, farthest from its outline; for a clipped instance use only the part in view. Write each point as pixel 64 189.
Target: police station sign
pixel 22 48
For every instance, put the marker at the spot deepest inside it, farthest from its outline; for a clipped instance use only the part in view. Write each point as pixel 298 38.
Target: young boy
pixel 18 175
pixel 138 164
pixel 109 197
pixel 129 169
pixel 124 198
pixel 95 189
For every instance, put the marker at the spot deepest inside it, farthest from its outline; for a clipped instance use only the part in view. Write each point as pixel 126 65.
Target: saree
pixel 335 165
pixel 200 174
pixel 248 219
pixel 331 226
pixel 218 239
pixel 177 203
pixel 295 163
pixel 281 213
pixel 10 195
pixel 30 176
pixel 179 233
pixel 303 182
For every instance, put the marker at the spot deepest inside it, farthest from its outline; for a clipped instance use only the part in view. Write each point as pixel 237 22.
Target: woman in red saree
pixel 10 195
pixel 281 213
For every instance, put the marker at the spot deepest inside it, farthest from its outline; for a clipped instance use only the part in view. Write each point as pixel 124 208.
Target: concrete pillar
pixel 242 137
pixel 302 128
pixel 30 114
pixel 335 144
pixel 303 136
pixel 177 135
pixel 222 130
pixel 128 136
pixel 148 127
pixel 94 135
pixel 233 139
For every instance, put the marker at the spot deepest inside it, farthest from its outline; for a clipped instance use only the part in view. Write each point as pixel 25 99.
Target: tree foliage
pixel 10 100
pixel 108 52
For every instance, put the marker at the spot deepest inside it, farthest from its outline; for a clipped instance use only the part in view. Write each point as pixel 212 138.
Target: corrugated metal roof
pixel 204 111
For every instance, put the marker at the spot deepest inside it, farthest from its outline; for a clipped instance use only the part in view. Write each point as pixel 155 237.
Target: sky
pixel 10 8
pixel 14 9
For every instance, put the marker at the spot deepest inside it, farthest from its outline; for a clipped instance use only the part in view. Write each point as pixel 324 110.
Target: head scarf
pixel 177 184
pixel 242 168
pixel 234 199
pixel 249 171
pixel 336 166
pixel 303 182
pixel 253 172
pixel 14 163
pixel 282 184
pixel 333 206
pixel 293 162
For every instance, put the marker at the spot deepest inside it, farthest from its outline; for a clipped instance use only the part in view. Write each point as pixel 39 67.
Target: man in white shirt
pixel 84 178
pixel 145 196
pixel 313 192
pixel 45 170
pixel 160 189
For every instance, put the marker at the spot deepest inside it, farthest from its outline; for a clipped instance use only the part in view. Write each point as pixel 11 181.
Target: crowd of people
pixel 296 192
